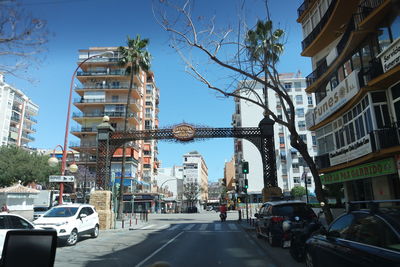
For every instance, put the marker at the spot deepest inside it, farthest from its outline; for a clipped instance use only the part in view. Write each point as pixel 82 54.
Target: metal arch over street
pixel 108 141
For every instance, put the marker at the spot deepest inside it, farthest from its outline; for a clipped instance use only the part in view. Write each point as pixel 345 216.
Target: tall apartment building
pixel 195 171
pixel 229 174
pixel 290 165
pixel 104 91
pixel 17 113
pixel 355 50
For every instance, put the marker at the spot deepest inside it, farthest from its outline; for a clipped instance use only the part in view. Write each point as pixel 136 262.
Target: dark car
pixel 364 237
pixel 272 214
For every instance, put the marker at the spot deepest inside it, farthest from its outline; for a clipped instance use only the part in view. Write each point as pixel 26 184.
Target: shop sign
pixel 355 150
pixel 374 169
pixel 390 57
pixel 183 132
pixel 336 98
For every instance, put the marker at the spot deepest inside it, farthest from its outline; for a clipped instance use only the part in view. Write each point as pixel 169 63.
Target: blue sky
pixel 79 24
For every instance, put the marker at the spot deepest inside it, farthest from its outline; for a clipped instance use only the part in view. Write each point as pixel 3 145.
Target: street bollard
pixel 240 215
pixel 122 222
pixel 130 221
pixel 147 216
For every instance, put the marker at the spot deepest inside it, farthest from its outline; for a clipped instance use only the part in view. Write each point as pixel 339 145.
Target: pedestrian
pixel 4 208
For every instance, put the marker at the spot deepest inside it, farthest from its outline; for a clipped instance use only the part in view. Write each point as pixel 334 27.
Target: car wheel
pixel 309 260
pixel 272 240
pixel 95 232
pixel 73 238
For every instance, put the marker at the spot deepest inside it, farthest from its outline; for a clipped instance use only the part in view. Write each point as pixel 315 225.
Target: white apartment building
pixel 16 116
pixel 171 179
pixel 291 167
pixel 195 171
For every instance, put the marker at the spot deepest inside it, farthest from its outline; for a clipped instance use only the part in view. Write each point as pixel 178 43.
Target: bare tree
pixel 22 39
pixel 191 192
pixel 250 56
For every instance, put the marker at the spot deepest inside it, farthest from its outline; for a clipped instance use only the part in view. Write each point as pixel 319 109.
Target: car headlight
pixel 286 225
pixel 62 223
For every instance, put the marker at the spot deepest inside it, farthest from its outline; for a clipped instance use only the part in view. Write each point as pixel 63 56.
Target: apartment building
pixel 291 168
pixel 354 46
pixel 103 91
pixel 17 112
pixel 229 174
pixel 195 171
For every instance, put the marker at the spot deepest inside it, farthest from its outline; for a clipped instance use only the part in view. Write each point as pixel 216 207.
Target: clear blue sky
pixel 79 24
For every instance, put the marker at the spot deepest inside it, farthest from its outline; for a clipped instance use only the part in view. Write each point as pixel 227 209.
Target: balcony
pixel 306 4
pixel 27 136
pixel 14 129
pixel 103 73
pixel 15 108
pixel 31 119
pixel 77 145
pixel 322 161
pixel 135 103
pixel 15 118
pixel 385 138
pixel 102 114
pixel 99 59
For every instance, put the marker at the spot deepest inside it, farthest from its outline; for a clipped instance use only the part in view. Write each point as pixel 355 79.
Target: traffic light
pixel 245 167
pixel 246 183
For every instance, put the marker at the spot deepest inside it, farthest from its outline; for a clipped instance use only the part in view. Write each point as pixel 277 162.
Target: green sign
pixel 377 168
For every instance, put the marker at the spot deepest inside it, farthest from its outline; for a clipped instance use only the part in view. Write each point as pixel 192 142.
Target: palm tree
pixel 135 57
pixel 264 48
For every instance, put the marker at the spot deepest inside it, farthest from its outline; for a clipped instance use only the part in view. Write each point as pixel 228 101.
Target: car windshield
pixel 61 212
pixel 291 210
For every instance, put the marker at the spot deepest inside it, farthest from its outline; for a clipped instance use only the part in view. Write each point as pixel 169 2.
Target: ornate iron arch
pixel 108 141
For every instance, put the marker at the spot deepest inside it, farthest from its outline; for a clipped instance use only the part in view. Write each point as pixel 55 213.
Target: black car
pixel 272 215
pixel 363 237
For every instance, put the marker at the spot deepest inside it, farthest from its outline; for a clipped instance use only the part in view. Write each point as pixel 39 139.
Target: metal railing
pixel 118 101
pixel 106 113
pixel 321 24
pixel 385 137
pixel 28 137
pixel 107 86
pixel 30 118
pixel 366 7
pixel 303 7
pixel 102 73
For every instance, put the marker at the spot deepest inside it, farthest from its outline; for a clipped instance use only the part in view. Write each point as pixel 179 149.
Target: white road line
pixel 210 231
pixel 203 227
pixel 217 227
pixel 158 250
pixel 162 227
pixel 190 226
pixel 174 227
pixel 148 226
pixel 232 226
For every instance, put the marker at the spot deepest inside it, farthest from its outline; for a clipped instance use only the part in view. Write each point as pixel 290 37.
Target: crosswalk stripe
pixel 232 226
pixel 162 227
pixel 203 227
pixel 174 227
pixel 190 226
pixel 148 226
pixel 217 227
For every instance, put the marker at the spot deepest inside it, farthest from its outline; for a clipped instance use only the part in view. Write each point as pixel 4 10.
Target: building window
pixel 299 99
pixel 300 112
pixel 309 100
pixel 396 102
pixel 281 140
pixel 288 86
pixel 303 137
pixel 297 85
pixel 301 125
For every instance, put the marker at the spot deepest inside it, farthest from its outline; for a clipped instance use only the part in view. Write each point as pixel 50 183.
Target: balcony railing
pixel 107 86
pixel 366 7
pixel 15 108
pixel 322 161
pixel 386 137
pixel 119 101
pixel 31 119
pixel 83 144
pixel 101 73
pixel 15 118
pixel 321 24
pixel 101 59
pixel 101 114
pixel 304 7
pixel 28 137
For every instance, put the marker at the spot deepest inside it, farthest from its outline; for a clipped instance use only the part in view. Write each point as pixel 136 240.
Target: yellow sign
pixel 183 132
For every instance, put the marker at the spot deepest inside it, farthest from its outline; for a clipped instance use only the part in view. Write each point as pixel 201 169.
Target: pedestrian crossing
pixel 195 227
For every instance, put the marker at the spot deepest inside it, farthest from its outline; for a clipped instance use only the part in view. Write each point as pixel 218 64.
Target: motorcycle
pixel 222 215
pixel 299 236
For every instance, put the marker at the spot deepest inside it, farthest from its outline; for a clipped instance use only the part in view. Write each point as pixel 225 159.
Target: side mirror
pixel 82 216
pixel 256 215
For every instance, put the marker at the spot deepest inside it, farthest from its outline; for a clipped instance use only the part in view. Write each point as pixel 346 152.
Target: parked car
pixel 271 218
pixel 70 222
pixel 363 237
pixel 9 221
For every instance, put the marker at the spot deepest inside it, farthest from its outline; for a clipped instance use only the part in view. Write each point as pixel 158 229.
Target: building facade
pixel 17 112
pixel 195 171
pixel 103 91
pixel 354 49
pixel 229 175
pixel 291 169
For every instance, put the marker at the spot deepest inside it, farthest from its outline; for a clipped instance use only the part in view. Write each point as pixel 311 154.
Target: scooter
pixel 299 237
pixel 222 215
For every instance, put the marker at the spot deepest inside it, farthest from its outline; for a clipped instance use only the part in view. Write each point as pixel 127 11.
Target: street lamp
pixel 53 162
pixel 64 149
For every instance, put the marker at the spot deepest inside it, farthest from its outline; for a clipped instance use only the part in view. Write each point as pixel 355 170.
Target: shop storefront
pixel 377 180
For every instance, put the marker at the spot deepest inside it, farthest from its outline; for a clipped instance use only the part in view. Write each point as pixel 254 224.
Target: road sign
pixel 61 178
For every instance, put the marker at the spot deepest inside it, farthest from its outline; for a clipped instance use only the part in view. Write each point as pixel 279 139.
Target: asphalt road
pixel 178 239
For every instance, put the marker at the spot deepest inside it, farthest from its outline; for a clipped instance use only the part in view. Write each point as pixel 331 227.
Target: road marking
pixel 232 226
pixel 174 227
pixel 211 231
pixel 217 227
pixel 162 227
pixel 203 227
pixel 187 228
pixel 147 227
pixel 158 250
